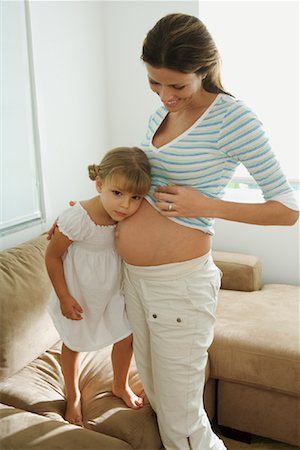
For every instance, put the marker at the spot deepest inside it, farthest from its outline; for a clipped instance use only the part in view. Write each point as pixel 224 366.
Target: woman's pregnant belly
pixel 148 239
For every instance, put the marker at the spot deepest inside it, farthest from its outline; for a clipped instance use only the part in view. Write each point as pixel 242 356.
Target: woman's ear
pixel 98 184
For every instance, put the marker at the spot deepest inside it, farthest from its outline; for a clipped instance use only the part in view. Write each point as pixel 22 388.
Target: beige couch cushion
pixel 257 338
pixel 26 328
pixel 240 272
pixel 21 430
pixel 39 388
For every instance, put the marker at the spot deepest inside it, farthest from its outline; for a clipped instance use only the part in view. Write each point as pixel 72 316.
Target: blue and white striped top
pixel 206 155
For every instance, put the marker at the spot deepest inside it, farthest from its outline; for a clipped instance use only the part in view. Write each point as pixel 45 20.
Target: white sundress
pixel 92 270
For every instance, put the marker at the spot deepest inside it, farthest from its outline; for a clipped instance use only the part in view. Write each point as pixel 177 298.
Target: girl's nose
pixel 125 202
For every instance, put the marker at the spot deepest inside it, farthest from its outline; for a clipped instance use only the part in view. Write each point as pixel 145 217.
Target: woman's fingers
pixel 170 188
pixel 51 231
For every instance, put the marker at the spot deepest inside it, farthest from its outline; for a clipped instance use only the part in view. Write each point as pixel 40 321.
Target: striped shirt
pixel 206 155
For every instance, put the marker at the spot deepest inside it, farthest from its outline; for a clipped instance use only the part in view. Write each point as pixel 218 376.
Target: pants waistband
pixel 179 269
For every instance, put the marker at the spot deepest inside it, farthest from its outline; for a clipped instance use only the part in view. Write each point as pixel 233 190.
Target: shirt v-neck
pixel 182 135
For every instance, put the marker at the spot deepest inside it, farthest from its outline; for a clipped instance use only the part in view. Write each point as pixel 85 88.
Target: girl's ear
pixel 98 183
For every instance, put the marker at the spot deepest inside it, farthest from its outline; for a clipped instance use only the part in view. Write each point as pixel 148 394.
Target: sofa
pixel 252 378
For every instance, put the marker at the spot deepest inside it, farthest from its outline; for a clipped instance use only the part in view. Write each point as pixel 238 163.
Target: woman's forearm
pixel 268 213
pixel 187 202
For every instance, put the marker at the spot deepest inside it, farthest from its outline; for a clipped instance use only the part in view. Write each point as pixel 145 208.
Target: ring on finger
pixel 170 207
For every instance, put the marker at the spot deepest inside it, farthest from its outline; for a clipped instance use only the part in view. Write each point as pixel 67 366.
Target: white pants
pixel 171 309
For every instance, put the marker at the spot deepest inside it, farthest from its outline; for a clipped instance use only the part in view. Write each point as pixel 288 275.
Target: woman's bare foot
pixel 73 412
pixel 128 396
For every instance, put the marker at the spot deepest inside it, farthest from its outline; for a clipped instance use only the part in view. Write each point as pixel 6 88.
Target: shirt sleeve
pixel 73 223
pixel 243 139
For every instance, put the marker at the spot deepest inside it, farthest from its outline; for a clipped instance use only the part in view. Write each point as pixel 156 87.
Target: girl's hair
pixel 128 163
pixel 182 42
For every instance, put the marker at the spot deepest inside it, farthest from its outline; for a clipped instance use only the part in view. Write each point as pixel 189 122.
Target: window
pixel 21 184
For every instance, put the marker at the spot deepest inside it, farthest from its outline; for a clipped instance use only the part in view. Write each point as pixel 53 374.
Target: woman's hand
pixel 70 308
pixel 181 201
pixel 51 231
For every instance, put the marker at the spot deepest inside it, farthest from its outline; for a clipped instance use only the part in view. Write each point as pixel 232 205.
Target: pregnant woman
pixel 194 142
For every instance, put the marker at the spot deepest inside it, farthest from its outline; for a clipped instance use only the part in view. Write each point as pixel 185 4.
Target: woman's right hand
pixel 51 231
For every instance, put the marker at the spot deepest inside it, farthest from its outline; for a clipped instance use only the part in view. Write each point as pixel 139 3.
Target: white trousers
pixel 171 309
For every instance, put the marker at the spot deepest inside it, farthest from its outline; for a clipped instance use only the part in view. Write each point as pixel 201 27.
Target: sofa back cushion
pixel 26 328
pixel 241 272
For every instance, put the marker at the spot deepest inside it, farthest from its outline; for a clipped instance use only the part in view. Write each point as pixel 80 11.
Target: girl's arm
pixel 56 248
pixel 190 203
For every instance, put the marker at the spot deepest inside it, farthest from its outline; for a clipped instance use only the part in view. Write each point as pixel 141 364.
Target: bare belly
pixel 149 239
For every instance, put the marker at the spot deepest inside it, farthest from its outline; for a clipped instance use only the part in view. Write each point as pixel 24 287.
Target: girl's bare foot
pixel 144 397
pixel 73 412
pixel 128 396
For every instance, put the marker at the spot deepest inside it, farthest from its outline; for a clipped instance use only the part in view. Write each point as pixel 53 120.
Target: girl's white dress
pixel 92 270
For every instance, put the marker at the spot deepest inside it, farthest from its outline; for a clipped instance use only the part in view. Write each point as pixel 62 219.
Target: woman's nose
pixel 166 93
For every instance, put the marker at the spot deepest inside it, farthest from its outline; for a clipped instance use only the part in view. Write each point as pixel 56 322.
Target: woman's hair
pixel 182 42
pixel 129 163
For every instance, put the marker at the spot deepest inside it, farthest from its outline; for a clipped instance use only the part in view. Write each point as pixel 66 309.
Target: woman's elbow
pixel 290 217
pixel 293 217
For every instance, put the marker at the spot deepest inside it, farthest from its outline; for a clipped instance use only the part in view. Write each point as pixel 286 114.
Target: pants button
pixel 178 320
pixel 154 316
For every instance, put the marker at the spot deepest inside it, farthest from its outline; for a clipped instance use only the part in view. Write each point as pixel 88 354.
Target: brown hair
pixel 182 42
pixel 130 163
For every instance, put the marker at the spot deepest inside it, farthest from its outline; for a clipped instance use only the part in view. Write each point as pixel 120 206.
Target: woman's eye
pixel 179 87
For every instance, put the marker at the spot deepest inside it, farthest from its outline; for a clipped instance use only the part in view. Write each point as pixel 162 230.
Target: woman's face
pixel 176 90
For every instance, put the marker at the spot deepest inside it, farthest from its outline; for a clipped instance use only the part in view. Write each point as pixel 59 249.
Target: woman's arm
pixel 56 248
pixel 189 203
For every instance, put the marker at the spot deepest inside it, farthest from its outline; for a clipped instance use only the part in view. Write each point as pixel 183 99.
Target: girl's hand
pixel 181 201
pixel 52 229
pixel 70 308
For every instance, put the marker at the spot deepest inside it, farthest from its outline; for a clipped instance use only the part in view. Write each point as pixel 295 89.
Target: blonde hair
pixel 182 43
pixel 129 163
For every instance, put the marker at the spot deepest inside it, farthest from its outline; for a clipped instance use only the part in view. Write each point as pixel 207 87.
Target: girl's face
pixel 177 90
pixel 117 202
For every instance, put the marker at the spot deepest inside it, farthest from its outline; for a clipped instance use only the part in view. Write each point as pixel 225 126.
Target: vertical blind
pixel 21 187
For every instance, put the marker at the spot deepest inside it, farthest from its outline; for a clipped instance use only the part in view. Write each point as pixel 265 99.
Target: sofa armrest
pixel 241 272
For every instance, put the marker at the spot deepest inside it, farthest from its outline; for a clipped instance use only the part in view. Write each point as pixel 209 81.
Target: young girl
pixel 87 307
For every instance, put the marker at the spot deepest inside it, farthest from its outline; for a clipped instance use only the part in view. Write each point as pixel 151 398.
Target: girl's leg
pixel 121 356
pixel 70 367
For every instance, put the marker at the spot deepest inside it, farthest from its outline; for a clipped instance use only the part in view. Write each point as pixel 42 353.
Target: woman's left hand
pixel 181 201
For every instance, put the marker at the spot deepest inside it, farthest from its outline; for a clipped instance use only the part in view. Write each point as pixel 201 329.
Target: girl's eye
pixel 117 193
pixel 137 197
